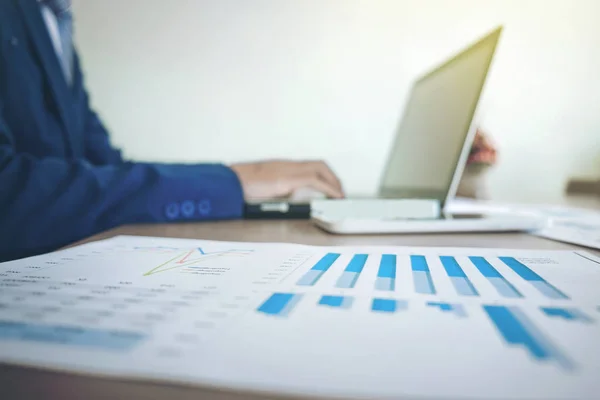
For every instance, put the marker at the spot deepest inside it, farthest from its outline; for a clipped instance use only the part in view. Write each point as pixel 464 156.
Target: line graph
pixel 191 257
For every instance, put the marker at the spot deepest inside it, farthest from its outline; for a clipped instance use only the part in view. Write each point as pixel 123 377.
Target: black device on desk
pixel 274 209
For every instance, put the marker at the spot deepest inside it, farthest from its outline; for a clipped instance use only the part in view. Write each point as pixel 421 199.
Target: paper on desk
pixel 581 231
pixel 334 321
pixel 550 211
pixel 565 224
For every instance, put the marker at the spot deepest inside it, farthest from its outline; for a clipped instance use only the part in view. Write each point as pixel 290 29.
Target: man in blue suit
pixel 60 178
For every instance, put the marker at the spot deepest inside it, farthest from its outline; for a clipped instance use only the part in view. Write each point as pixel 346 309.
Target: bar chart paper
pixel 360 322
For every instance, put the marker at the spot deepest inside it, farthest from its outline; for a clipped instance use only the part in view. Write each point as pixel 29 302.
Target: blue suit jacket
pixel 60 179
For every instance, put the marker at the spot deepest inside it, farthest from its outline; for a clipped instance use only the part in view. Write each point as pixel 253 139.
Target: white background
pixel 230 80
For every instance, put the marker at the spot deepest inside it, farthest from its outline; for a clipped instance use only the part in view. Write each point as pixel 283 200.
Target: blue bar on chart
pixel 421 275
pixel 314 274
pixel 456 309
pixel 386 275
pixel 502 286
pixel 350 275
pixel 534 279
pixel 459 279
pixel 280 304
pixel 70 335
pixel 336 301
pixel 568 314
pixel 517 329
pixel 388 305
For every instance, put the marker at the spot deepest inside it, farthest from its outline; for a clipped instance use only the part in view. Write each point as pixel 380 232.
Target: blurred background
pixel 234 80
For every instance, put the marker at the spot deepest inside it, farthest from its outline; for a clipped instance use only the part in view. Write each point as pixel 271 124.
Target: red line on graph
pixel 185 257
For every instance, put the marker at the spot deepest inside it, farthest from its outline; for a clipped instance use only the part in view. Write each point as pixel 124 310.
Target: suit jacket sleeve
pixel 98 149
pixel 49 202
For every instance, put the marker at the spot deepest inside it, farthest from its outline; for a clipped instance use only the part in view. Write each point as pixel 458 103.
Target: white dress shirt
pixel 52 26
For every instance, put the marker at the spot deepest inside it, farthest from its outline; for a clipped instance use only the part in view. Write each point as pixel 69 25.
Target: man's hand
pixel 277 179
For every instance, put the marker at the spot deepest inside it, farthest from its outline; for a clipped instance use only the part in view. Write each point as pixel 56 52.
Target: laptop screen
pixel 435 135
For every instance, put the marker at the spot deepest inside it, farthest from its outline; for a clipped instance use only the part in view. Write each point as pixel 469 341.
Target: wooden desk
pixel 24 383
pixel 304 232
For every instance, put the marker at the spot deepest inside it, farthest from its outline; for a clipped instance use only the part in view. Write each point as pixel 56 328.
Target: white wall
pixel 230 80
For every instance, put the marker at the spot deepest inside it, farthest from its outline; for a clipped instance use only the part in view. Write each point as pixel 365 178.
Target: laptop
pixel 426 161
